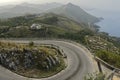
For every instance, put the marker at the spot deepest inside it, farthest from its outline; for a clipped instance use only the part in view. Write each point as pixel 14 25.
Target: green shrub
pixel 109 57
pixel 31 43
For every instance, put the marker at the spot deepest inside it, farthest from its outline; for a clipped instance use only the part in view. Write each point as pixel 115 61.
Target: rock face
pixel 27 59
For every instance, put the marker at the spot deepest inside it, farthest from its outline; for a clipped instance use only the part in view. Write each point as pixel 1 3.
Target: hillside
pixel 75 12
pixel 69 10
pixel 9 11
pixel 51 25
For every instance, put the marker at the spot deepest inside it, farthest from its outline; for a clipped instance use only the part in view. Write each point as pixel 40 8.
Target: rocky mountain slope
pixel 9 11
pixel 75 12
pixel 69 10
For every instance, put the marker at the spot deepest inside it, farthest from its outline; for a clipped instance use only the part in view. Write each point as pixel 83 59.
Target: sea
pixel 111 22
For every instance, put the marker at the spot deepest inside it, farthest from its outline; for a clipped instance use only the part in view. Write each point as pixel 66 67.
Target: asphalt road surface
pixel 78 59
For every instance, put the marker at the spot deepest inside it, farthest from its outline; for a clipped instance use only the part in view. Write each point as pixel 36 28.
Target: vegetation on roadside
pixel 30 60
pixel 109 57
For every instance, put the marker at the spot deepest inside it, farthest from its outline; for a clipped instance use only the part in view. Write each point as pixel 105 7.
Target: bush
pixel 31 43
pixel 109 57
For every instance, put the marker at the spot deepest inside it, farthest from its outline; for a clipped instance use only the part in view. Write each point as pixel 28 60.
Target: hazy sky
pixel 101 4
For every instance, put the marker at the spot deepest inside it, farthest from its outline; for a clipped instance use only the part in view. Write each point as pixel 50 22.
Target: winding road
pixel 79 61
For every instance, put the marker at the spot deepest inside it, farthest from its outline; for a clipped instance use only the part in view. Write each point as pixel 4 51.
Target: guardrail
pixel 114 69
pixel 60 51
pixel 107 65
pixel 110 75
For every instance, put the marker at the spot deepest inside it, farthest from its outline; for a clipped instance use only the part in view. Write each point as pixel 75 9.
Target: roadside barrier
pixel 114 69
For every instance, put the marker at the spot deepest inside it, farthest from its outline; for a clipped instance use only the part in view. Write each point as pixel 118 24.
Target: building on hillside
pixel 35 26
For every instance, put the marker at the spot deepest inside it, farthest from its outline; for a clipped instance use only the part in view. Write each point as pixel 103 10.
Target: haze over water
pixel 111 22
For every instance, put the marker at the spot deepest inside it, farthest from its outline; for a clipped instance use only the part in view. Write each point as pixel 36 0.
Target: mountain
pixel 25 8
pixel 18 10
pixel 75 12
pixel 69 10
pixel 5 8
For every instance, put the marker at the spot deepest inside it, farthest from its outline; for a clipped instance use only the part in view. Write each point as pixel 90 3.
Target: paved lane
pixel 79 63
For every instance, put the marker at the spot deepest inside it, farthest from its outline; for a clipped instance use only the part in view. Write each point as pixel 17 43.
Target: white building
pixel 36 26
